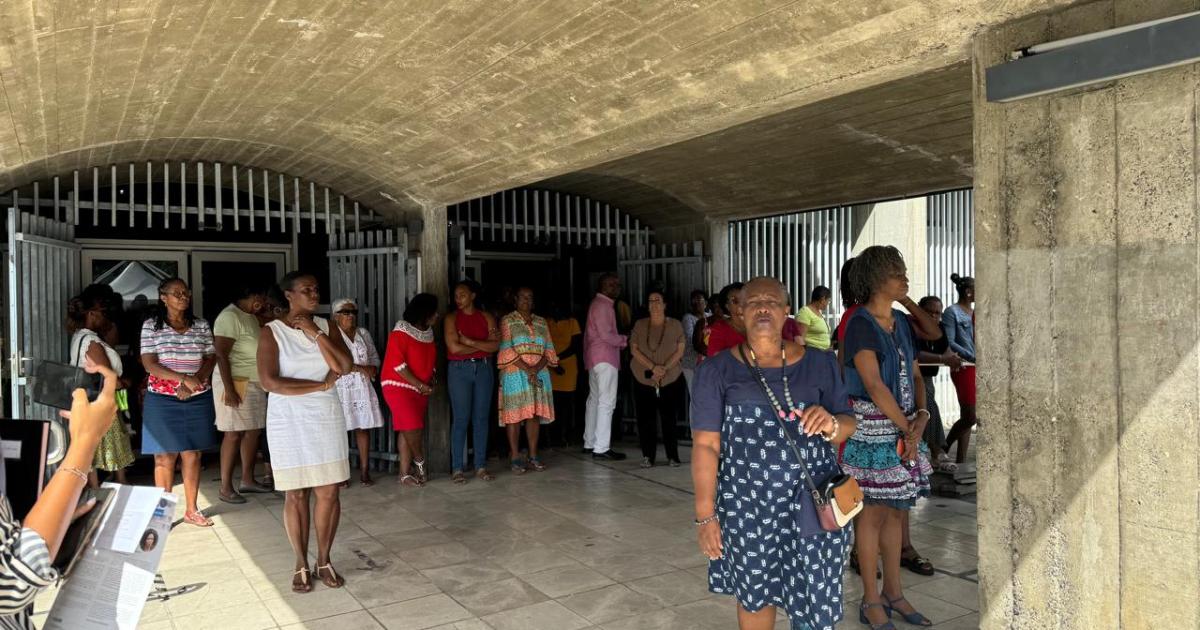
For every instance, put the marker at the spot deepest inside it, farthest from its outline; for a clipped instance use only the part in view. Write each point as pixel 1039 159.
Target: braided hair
pixel 871 269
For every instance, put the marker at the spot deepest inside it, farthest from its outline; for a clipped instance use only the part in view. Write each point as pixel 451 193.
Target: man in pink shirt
pixel 602 359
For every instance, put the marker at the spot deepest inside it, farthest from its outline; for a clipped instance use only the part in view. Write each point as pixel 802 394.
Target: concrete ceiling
pixel 405 103
pixel 907 137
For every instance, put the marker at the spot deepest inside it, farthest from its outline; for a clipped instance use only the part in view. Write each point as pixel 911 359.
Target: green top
pixel 243 329
pixel 817 333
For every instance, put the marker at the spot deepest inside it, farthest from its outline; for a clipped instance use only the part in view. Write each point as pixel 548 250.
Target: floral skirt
pixel 871 458
pixel 114 451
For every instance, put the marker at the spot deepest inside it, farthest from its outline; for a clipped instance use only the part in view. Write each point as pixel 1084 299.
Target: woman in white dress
pixel 299 365
pixel 360 404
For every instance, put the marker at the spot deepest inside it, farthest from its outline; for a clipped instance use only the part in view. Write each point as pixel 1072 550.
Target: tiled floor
pixel 581 545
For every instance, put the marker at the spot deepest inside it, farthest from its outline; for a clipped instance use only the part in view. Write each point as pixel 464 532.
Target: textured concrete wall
pixel 1086 219
pixel 901 224
pixel 435 279
pixel 398 103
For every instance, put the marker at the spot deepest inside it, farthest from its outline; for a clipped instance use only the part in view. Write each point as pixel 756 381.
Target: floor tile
pixel 393 584
pixel 563 581
pixel 249 616
pixel 358 620
pixel 418 614
pixel 543 616
pixel 492 597
pixel 438 556
pixel 321 602
pixel 951 589
pixel 672 589
pixel 610 603
pixel 463 576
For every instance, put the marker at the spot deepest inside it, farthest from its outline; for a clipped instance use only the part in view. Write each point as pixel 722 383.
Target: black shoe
pixel 585 450
pixel 610 455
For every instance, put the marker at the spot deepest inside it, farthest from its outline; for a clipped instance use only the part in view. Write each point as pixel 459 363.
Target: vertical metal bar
pixel 112 196
pixel 149 196
pixel 75 196
pixel 266 188
pixel 491 218
pixel 537 223
pixel 587 214
pixel 57 207
pixel 356 224
pixel 503 216
pixel 250 196
pixel 183 193
pixel 218 190
pixel 237 202
pixel 295 207
pixel 132 187
pixel 312 205
pixel 328 226
pixel 201 210
pixel 342 213
pixel 283 226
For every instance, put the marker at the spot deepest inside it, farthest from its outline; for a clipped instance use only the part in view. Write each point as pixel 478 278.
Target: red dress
pixel 722 336
pixel 409 347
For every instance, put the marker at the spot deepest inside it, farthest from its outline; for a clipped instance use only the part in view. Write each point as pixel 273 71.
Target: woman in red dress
pixel 407 379
pixel 730 331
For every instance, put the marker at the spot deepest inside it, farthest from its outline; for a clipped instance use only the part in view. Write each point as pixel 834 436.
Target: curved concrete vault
pixel 402 104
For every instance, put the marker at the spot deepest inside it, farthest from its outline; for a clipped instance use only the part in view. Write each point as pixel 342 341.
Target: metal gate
pixel 43 275
pixel 679 268
pixel 375 269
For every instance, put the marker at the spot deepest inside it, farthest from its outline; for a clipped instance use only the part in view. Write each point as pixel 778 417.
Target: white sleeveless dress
pixel 307 433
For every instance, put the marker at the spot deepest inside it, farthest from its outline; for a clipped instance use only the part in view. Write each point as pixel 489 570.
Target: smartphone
pixel 54 383
pixel 82 530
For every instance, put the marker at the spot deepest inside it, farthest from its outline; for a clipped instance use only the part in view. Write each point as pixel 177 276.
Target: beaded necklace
pixel 787 390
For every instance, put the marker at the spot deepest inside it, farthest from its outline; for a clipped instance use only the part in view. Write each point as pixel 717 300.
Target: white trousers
pixel 602 400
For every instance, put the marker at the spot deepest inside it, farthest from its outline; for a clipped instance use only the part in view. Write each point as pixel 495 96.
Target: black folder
pixel 23 444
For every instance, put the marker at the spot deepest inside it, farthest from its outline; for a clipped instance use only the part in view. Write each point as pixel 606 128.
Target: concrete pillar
pixel 1087 273
pixel 718 249
pixel 901 224
pixel 435 279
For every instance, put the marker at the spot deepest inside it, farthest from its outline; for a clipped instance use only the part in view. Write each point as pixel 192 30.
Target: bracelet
pixel 706 521
pixel 83 476
pixel 833 434
pixel 924 411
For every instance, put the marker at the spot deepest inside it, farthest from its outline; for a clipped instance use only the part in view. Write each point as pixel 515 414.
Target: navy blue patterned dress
pixel 775 554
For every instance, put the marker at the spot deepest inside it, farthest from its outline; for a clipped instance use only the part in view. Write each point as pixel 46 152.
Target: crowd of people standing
pixel 271 378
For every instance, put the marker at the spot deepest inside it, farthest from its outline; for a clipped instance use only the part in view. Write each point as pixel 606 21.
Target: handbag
pixel 837 499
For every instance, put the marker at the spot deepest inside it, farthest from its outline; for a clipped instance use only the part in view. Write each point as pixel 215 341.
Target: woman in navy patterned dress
pixel 756 521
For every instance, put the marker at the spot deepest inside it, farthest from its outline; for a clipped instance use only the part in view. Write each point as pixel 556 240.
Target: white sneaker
pixel 646 463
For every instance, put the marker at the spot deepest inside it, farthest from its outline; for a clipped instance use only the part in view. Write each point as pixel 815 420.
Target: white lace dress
pixel 360 404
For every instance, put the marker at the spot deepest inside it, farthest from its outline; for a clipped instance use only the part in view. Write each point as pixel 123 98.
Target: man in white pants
pixel 602 357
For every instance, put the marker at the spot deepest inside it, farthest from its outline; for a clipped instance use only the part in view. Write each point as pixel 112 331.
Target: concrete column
pixel 1087 273
pixel 901 224
pixel 435 279
pixel 718 249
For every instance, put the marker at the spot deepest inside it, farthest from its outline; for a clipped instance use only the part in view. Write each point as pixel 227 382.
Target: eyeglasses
pixel 179 295
pixel 348 311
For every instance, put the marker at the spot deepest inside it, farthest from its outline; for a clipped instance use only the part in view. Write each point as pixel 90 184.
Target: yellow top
pixel 817 333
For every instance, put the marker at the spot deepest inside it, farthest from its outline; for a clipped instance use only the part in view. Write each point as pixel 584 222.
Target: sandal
pixel 518 466
pixel 365 479
pixel 536 464
pixel 410 481
pixel 862 617
pixel 304 585
pixel 913 618
pixel 458 477
pixel 235 498
pixel 421 470
pixel 197 518
pixel 334 580
pixel 483 474
pixel 916 563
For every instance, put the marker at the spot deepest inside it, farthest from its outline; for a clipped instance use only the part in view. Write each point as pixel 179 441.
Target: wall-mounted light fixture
pixel 1095 58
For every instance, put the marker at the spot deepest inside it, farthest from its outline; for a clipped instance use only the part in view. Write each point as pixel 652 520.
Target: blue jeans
pixel 470 384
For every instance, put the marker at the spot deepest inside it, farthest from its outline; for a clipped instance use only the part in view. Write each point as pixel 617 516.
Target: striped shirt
pixel 181 352
pixel 24 570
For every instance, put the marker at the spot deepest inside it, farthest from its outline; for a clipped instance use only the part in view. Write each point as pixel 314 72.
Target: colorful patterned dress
pixel 525 341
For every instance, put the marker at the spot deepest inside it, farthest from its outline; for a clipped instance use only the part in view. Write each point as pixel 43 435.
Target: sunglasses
pixel 348 311
pixel 179 294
